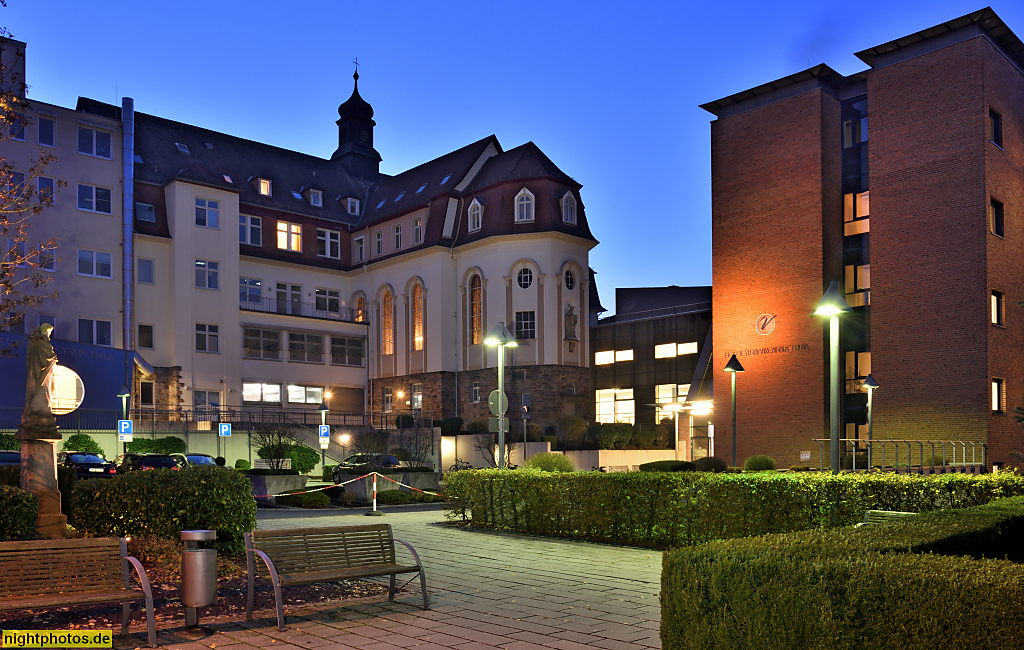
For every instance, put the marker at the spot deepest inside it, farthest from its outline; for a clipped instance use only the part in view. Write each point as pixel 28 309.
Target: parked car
pixel 87 465
pixel 364 461
pixel 10 458
pixel 202 459
pixel 131 461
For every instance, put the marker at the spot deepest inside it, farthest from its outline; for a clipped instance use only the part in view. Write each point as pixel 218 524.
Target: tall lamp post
pixel 124 395
pixel 675 407
pixel 870 385
pixel 732 368
pixel 831 306
pixel 501 338
pixel 323 421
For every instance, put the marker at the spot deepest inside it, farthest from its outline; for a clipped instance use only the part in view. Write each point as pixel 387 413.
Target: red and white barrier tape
pixel 326 487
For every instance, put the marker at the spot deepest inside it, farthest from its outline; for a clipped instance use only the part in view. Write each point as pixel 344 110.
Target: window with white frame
pixel 665 394
pixel 94 199
pixel 289 236
pixel 207 213
pixel 46 261
pixel 16 131
pixel 476 214
pixel 347 351
pixel 145 336
pixel 145 212
pixel 417 231
pixel 526 325
pixel 93 142
pixel 305 394
pixel 289 298
pixel 47 127
pixel 998 395
pixel 16 253
pixel 207 337
pixel 353 206
pixel 524 205
pixel 207 274
pixel 386 400
pixel 358 244
pixel 305 348
pixel 524 278
pixel 568 209
pixel 474 393
pixel 328 300
pixel 205 401
pixel 46 188
pixel 255 392
pixel 48 319
pixel 328 243
pixel 264 186
pixel 95 264
pixel 570 280
pixel 250 230
pixel 359 309
pixel 417 396
pixel 95 332
pixel 146 271
pixel 378 244
pixel 316 198
pixel 259 343
pixel 250 291
pixel 615 405
pixel 398 237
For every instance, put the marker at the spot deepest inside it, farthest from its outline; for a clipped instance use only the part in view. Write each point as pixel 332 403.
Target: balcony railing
pixel 319 310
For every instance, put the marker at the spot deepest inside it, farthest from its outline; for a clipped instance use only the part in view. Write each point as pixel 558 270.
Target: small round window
pixel 570 280
pixel 525 278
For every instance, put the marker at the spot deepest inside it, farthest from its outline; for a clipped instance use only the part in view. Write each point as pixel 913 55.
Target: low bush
pixel 534 432
pixel 164 503
pixel 165 445
pixel 894 585
pixel 393 497
pixel 711 464
pixel 328 473
pixel 18 511
pixel 572 430
pixel 427 497
pixel 614 436
pixel 9 442
pixel 759 463
pixel 243 464
pixel 800 468
pixel 449 426
pixel 668 466
pixel 644 437
pixel 359 470
pixel 552 442
pixel 311 500
pixel 550 462
pixel 82 442
pixel 66 481
pixel 663 434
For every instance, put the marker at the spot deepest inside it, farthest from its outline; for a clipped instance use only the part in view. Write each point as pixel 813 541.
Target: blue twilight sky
pixel 609 90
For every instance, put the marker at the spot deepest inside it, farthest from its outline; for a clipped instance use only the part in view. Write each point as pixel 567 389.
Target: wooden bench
pixel 63 572
pixel 306 555
pixel 882 516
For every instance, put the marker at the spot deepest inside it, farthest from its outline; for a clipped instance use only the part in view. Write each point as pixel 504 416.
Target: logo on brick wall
pixel 765 324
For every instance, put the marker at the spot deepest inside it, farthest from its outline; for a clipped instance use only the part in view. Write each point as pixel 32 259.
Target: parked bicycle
pixel 460 465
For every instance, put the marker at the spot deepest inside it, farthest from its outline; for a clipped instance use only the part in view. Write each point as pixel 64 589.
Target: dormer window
pixel 524 205
pixel 476 215
pixel 353 206
pixel 568 209
pixel 316 198
pixel 264 187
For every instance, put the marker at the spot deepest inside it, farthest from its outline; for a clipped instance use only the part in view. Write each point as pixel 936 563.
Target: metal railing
pixel 287 307
pixel 952 455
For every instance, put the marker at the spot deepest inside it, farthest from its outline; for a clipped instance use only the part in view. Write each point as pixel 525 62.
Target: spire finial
pixel 356 75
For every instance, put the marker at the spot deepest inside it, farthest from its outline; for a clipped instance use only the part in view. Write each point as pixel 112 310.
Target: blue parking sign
pixel 224 429
pixel 325 430
pixel 124 431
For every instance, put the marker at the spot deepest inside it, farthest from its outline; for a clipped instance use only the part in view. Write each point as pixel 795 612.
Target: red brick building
pixel 905 183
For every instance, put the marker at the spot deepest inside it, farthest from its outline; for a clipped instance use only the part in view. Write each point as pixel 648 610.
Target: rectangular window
pixel 328 243
pixel 997 308
pixel 328 300
pixel 94 263
pixel 289 299
pixel 604 358
pixel 305 394
pixel 305 348
pixel 48 318
pixel 250 291
pixel 147 394
pixel 665 394
pixel 526 325
pixel 261 344
pixel 207 338
pixel 398 237
pixel 15 323
pixel 98 332
pixel 665 350
pixel 998 395
pixel 47 130
pixel 417 396
pixel 686 348
pixel 417 231
pixel 93 143
pixel 146 272
pixel 289 236
pixel 94 199
pixel 45 186
pixel 250 230
pixel 145 212
pixel 378 244
pixel 16 253
pixel 207 274
pixel 258 392
pixel 205 402
pixel 360 253
pixel 615 405
pixel 17 128
pixel 623 355
pixel 474 393
pixel 265 187
pixel 207 213
pixel 353 206
pixel 316 198
pixel 145 336
pixel 995 128
pixel 386 406
pixel 995 217
pixel 347 351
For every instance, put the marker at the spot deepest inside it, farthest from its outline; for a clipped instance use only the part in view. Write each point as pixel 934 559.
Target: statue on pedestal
pixel 41 360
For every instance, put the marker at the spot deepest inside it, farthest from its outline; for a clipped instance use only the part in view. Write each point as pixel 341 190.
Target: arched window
pixel 360 309
pixel 417 316
pixel 387 315
pixel 476 310
pixel 475 217
pixel 568 209
pixel 524 205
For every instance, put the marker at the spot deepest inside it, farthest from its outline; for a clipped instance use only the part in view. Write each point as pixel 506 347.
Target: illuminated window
pixel 665 394
pixel 858 283
pixel 686 348
pixel 474 392
pixel 615 405
pixel 260 392
pixel 623 355
pixel 664 351
pixel 604 358
pixel 858 366
pixel 265 186
pixel 417 396
pixel 305 394
pixel 997 307
pixel 524 205
pixel 289 236
pixel 417 317
pixel 856 210
pixel 998 395
pixel 476 310
pixel 360 309
pixel 387 331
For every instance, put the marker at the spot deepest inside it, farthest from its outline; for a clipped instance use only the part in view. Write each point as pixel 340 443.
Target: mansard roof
pixel 524 162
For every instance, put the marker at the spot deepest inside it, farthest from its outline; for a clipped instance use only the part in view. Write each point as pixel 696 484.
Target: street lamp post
pixel 501 338
pixel 675 407
pixel 323 421
pixel 732 368
pixel 831 306
pixel 124 395
pixel 870 385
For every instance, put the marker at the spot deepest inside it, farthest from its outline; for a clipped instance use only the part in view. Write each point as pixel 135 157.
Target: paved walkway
pixel 488 590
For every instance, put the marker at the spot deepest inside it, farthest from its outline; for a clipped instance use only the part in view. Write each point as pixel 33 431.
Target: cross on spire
pixel 356 75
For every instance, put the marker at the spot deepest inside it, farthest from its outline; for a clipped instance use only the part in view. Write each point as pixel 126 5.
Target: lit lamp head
pixel 344 438
pixel 733 365
pixel 323 408
pixel 673 406
pixel 832 303
pixel 701 408
pixel 500 336
pixel 869 383
pixel 124 394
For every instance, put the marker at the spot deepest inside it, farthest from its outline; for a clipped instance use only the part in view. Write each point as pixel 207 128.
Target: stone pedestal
pixel 39 476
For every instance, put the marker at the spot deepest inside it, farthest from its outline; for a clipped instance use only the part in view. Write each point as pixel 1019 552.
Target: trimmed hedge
pixel 894 585
pixel 82 442
pixel 668 466
pixel 9 442
pixel 163 503
pixel 66 482
pixel 359 470
pixel 165 445
pixel 759 463
pixel 18 511
pixel 307 500
pixel 551 462
pixel 661 510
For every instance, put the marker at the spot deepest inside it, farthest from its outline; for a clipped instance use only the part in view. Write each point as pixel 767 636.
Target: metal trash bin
pixel 198 573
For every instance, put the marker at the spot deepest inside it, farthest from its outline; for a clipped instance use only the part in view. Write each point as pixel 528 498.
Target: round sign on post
pixel 498 402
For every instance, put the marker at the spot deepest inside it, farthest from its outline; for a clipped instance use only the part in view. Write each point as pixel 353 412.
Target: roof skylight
pixel 447 176
pixel 181 147
pixel 296 195
pixel 228 179
pixel 381 204
pixel 422 187
pixel 399 197
pixel 209 145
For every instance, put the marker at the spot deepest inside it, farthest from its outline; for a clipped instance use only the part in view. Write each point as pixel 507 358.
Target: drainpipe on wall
pixel 128 234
